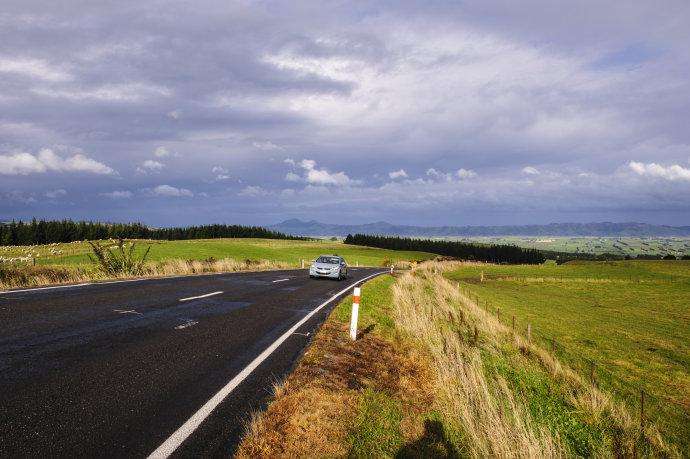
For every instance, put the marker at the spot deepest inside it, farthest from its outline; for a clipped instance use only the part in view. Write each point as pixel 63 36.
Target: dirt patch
pixel 313 411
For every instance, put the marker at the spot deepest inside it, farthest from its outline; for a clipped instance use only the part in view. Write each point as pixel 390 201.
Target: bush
pixel 120 259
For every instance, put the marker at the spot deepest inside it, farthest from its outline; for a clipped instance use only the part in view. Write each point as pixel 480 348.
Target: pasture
pixel 627 323
pixel 285 251
pixel 630 246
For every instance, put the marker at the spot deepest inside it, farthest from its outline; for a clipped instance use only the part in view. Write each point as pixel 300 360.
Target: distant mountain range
pixel 313 228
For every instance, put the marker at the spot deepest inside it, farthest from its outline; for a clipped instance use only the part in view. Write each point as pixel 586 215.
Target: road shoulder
pixel 371 395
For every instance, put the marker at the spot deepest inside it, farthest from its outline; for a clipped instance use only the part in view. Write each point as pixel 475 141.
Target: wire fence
pixel 665 410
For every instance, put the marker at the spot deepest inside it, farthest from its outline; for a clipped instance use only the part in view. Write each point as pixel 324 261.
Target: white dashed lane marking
pixel 200 296
pixel 280 280
pixel 127 311
pixel 188 323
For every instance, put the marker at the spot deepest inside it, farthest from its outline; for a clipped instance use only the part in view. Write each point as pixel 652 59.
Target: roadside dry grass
pixel 17 276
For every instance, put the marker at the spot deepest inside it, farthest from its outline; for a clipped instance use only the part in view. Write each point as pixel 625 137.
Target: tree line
pixel 493 253
pixel 49 231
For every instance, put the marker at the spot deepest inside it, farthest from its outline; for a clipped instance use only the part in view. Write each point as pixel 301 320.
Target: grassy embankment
pixel 60 263
pixel 631 318
pixel 437 375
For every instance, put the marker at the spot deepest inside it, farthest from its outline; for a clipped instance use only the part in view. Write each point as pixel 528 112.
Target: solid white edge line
pixel 4 292
pixel 201 296
pixel 180 435
pixel 280 280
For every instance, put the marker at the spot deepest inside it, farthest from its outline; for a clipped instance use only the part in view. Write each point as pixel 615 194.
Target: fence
pixel 655 408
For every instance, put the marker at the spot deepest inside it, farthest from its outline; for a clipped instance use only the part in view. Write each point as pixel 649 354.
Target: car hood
pixel 324 266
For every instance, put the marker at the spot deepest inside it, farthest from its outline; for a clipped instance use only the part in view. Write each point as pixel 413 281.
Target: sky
pixel 484 112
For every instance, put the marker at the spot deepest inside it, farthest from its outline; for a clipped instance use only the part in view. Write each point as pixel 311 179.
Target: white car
pixel 330 266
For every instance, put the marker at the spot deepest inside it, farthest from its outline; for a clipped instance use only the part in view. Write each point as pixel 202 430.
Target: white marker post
pixel 355 313
pixel 391 269
pixel 302 261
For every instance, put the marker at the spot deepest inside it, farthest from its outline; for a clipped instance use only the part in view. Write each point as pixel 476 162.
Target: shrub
pixel 120 259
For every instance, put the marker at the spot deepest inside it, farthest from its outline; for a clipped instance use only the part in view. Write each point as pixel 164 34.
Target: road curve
pixel 115 369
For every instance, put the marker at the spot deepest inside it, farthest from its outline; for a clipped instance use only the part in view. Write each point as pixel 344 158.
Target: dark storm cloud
pixel 197 105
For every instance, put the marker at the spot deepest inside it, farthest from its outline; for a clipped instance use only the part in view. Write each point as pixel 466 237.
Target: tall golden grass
pixel 18 276
pixel 493 422
pixel 491 418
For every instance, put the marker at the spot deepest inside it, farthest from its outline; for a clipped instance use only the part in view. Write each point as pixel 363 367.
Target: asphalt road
pixel 113 370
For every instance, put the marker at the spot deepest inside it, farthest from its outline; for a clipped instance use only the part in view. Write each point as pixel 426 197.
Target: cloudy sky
pixel 473 112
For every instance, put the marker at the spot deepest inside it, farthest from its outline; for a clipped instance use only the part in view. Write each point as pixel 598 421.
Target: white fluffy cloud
pixel 529 170
pixel 465 174
pixel 441 176
pixel 266 145
pixel 253 192
pixel 316 176
pixel 23 163
pixel 674 172
pixel 118 194
pixel 550 190
pixel 150 166
pixel 438 175
pixel 400 173
pixel 171 191
pixel 220 172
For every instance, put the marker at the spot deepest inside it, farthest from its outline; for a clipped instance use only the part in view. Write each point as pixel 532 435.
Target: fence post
pixel 302 262
pixel 513 322
pixel 498 314
pixel 529 332
pixel 391 269
pixel 481 278
pixel 355 313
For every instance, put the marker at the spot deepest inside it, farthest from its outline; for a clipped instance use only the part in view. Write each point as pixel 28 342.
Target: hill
pixel 603 229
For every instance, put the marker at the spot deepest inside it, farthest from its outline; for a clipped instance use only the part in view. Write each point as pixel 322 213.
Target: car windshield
pixel 328 260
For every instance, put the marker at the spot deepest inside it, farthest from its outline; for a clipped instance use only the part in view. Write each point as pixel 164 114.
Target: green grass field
pixel 623 246
pixel 255 249
pixel 630 317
